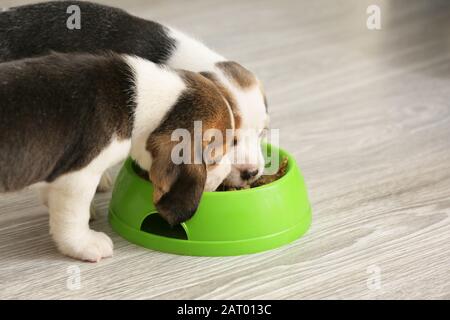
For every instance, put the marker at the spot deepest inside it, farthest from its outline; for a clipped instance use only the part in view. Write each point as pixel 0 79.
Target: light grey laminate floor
pixel 367 115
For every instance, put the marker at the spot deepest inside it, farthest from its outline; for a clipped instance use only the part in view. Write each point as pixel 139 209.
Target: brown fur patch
pixel 210 103
pixel 227 95
pixel 237 74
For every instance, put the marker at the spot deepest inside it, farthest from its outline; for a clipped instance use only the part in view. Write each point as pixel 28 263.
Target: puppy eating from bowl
pixel 66 118
pixel 36 29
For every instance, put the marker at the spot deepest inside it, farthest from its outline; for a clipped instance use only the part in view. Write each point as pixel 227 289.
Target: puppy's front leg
pixel 43 196
pixel 69 199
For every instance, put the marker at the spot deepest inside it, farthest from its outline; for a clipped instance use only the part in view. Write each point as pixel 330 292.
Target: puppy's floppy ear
pixel 178 187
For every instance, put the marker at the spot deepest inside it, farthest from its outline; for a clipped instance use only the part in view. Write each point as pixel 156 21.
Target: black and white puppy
pixel 66 118
pixel 34 30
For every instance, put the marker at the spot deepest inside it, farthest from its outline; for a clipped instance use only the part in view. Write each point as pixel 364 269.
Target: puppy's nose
pixel 247 174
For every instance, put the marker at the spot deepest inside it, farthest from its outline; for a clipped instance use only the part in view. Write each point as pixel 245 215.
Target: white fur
pixel 247 155
pixel 191 54
pixel 157 90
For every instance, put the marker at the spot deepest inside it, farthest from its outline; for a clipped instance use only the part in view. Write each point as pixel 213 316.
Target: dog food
pixel 262 180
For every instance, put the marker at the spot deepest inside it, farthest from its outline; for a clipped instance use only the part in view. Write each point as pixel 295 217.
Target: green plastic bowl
pixel 226 223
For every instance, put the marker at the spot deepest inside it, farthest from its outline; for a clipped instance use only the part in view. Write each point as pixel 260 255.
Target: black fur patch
pixel 58 112
pixel 37 29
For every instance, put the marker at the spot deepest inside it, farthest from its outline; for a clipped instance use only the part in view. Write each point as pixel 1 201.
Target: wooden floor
pixel 367 115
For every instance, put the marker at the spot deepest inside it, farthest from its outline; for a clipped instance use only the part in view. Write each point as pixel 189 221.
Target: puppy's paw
pixel 106 183
pixel 92 247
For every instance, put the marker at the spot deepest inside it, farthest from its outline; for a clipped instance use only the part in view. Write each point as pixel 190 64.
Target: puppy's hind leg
pixel 106 182
pixel 105 185
pixel 92 212
pixel 69 200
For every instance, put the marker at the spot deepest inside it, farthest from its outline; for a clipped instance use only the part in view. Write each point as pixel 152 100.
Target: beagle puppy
pixel 34 30
pixel 66 118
